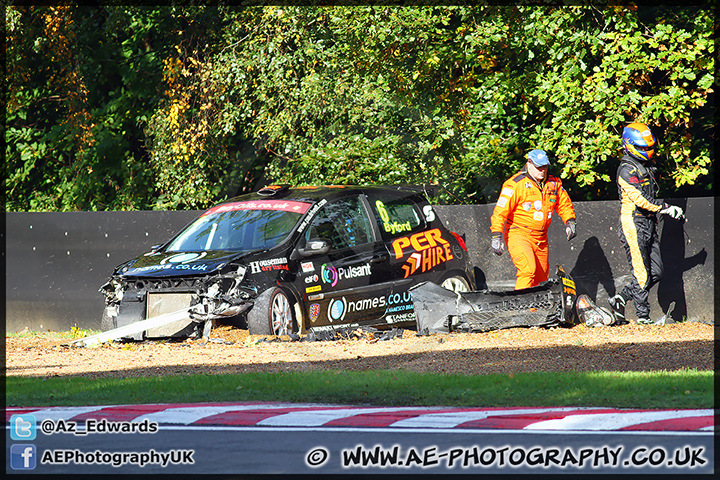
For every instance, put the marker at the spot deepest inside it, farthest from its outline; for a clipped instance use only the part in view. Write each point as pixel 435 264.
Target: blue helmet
pixel 539 158
pixel 638 141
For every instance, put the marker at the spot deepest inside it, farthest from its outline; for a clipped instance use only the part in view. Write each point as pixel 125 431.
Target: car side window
pixel 344 223
pixel 397 217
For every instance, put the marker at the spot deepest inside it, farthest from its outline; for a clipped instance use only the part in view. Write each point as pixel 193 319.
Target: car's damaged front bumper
pixel 130 300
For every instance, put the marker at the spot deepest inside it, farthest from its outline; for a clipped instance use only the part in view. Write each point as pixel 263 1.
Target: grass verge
pixel 676 389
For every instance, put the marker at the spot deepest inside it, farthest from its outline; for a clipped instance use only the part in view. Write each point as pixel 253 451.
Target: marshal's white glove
pixel 497 245
pixel 571 229
pixel 673 211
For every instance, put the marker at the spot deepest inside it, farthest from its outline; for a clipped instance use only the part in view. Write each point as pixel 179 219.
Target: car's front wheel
pixel 272 314
pixel 456 284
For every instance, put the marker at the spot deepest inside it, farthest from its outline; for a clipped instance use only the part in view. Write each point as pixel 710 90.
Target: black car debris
pixel 553 303
pixel 288 260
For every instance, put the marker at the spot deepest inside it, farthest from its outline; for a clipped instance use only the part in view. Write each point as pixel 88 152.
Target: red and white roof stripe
pixel 319 415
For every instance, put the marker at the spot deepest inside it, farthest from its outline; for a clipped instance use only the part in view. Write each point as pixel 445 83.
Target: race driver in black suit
pixel 638 220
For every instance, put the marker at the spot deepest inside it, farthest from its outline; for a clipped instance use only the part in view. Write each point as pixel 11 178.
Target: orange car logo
pixel 429 250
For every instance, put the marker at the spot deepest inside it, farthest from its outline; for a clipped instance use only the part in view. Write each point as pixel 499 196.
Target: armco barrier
pixel 55 262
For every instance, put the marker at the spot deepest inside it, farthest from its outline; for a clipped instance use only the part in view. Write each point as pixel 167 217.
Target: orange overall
pixel 527 207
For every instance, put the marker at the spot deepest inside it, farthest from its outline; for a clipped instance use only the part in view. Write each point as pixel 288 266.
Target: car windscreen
pixel 240 226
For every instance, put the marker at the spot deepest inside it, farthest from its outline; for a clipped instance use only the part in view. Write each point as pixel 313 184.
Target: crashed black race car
pixel 291 260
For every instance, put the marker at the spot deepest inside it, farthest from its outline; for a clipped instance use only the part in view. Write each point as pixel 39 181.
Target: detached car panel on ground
pixel 293 260
pixel 550 304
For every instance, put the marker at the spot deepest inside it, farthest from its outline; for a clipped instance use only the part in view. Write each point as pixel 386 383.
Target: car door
pixel 340 286
pixel 399 218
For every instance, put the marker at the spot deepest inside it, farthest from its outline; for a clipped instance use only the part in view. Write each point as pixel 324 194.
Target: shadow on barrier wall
pixel 592 269
pixel 673 245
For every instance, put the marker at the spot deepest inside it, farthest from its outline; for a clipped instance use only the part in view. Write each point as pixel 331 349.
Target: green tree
pixel 457 96
pixel 178 107
pixel 82 84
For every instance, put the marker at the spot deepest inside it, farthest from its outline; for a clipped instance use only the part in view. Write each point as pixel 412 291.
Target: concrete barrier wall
pixel 55 262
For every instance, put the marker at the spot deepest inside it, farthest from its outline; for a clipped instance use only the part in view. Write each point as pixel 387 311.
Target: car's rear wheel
pixel 272 314
pixel 456 284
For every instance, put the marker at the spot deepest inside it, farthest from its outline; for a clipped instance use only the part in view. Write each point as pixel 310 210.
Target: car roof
pixel 313 194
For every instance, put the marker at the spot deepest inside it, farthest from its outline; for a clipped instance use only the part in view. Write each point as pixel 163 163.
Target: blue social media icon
pixel 23 427
pixel 23 457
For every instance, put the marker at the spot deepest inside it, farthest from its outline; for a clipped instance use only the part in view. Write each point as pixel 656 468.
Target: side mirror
pixel 314 246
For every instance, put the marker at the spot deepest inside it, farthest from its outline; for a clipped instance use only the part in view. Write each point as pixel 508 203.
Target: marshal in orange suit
pixel 523 214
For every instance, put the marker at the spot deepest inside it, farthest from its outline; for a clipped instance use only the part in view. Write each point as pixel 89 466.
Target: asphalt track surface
pixel 262 438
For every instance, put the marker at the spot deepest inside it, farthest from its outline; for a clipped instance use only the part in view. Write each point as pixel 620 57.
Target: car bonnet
pixel 172 264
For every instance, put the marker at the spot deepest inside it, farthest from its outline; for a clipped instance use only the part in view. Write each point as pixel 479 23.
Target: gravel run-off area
pixel 627 347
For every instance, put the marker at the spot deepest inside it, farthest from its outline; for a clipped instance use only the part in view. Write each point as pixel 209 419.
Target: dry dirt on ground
pixel 619 348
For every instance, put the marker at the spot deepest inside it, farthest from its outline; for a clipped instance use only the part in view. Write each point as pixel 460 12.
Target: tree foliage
pixel 168 107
